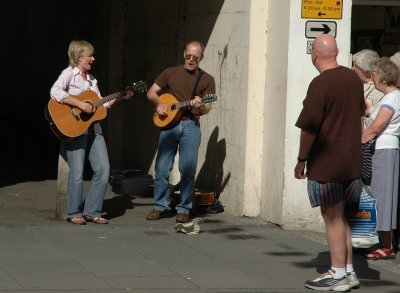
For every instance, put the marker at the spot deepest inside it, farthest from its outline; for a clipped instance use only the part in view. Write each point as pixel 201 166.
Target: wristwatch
pixel 300 160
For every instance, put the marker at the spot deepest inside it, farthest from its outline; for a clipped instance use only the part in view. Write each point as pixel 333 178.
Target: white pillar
pixel 255 108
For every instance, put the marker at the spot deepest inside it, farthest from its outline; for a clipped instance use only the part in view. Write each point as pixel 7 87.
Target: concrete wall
pixel 296 211
pixel 277 35
pixel 148 36
pixel 222 153
pixel 261 157
pixel 144 40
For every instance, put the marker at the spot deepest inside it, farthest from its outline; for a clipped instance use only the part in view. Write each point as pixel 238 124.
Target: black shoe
pixel 215 208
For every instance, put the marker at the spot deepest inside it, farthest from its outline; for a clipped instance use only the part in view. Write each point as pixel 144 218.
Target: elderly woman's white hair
pixel 396 59
pixel 364 59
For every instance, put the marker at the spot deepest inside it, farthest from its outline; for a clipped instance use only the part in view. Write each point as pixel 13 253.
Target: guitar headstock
pixel 209 98
pixel 139 86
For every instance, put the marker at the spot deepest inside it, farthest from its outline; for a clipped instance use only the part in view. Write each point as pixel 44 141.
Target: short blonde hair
pixel 79 48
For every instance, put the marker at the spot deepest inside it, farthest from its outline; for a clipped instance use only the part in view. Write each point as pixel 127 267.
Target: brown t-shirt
pixel 332 110
pixel 180 83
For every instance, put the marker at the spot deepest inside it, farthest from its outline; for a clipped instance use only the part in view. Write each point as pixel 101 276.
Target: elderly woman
pixel 384 125
pixel 362 62
pixel 396 60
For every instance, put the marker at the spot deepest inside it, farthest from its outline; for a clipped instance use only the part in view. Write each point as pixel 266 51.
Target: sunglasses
pixel 195 58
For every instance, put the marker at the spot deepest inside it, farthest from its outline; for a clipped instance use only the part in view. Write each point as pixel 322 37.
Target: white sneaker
pixel 192 227
pixel 353 280
pixel 328 283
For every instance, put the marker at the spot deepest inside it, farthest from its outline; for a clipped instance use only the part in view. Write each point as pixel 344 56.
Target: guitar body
pixel 173 115
pixel 175 109
pixel 68 122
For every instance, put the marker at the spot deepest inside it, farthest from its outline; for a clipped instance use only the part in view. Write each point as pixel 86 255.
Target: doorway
pixel 375 25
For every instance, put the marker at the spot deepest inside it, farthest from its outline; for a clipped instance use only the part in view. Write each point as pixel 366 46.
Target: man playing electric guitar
pixel 186 82
pixel 72 81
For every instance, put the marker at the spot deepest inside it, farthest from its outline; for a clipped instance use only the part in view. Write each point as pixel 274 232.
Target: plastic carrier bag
pixel 362 218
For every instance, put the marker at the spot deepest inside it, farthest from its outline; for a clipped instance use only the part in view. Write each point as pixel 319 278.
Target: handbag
pixel 362 217
pixel 368 150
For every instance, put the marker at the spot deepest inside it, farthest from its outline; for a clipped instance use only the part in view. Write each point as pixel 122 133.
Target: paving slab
pixel 41 254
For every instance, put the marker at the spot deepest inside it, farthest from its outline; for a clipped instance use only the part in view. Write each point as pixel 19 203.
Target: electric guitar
pixel 175 109
pixel 68 122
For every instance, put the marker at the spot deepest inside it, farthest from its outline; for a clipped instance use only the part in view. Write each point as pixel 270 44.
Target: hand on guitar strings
pixel 198 107
pixel 161 109
pixel 87 107
pixel 196 102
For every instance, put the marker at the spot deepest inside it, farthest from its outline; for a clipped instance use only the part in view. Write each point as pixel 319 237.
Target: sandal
pixel 96 220
pixel 77 220
pixel 381 253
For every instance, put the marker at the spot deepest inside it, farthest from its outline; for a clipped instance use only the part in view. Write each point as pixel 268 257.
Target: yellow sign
pixel 321 9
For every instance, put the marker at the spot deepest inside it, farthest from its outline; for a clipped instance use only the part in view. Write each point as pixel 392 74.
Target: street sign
pixel 317 28
pixel 322 9
pixel 309 46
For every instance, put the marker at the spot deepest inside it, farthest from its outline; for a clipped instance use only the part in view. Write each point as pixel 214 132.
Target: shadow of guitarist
pixel 211 174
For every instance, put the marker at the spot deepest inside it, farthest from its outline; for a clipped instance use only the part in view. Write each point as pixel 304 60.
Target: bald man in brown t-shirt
pixel 330 149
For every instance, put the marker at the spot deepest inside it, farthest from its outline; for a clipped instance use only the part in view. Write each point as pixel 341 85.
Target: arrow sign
pixel 317 28
pixel 324 29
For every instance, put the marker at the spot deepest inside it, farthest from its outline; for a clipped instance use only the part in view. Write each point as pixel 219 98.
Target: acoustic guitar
pixel 175 109
pixel 68 122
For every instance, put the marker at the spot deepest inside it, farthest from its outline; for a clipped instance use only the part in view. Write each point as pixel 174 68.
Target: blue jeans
pixel 185 137
pixel 76 150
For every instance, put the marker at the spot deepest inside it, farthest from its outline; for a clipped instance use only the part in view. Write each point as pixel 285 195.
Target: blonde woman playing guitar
pixel 72 81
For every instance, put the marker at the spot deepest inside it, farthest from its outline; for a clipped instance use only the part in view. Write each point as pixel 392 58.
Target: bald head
pixel 326 46
pixel 325 52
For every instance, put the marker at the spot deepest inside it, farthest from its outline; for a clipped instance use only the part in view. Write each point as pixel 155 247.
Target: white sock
pixel 338 273
pixel 349 268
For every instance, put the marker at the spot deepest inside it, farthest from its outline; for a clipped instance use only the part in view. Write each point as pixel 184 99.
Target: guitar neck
pixel 181 105
pixel 207 99
pixel 108 98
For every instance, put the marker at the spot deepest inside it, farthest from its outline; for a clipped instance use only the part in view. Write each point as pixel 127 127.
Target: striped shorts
pixel 330 193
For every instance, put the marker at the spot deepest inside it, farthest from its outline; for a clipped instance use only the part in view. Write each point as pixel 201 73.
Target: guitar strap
pixel 197 83
pixel 188 112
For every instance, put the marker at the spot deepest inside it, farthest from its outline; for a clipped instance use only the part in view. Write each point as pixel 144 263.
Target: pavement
pixel 230 254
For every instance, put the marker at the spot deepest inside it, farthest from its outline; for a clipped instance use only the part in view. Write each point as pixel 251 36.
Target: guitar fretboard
pixel 182 105
pixel 139 87
pixel 206 99
pixel 108 98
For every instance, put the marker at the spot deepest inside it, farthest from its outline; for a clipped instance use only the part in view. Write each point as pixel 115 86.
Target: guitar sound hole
pixel 85 116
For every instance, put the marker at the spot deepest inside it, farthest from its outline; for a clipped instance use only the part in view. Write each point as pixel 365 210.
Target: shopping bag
pixel 362 218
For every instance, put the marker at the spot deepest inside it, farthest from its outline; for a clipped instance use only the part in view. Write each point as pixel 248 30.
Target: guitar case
pixel 203 201
pixel 131 182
